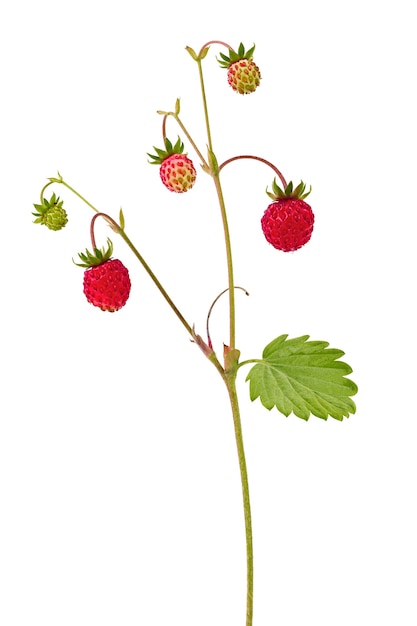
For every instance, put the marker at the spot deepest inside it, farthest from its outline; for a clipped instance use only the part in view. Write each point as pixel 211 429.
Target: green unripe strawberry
pixel 51 213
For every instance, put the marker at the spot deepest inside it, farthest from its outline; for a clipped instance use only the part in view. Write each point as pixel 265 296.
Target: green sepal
pixel 161 155
pixel 121 219
pixel 303 377
pixel 289 192
pixel 204 52
pixel 212 159
pixel 97 257
pixel 226 61
pixel 192 53
pixel 195 56
pixel 48 204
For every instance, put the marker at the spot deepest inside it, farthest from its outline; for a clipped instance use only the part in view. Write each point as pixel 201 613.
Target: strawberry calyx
pixel 227 61
pixel 298 193
pixel 97 257
pixel 170 149
pixel 51 213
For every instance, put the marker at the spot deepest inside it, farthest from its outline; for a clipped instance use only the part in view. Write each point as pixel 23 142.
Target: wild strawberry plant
pixel 294 375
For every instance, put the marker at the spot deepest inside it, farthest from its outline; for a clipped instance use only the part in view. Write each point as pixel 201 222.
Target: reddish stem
pixel 114 225
pixel 221 43
pixel 209 342
pixel 256 158
pixel 164 128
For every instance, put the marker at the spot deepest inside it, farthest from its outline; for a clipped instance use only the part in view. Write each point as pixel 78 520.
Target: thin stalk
pixel 231 360
pixel 230 381
pixel 256 158
pixel 156 281
pixel 216 178
pixel 232 308
pixel 190 139
pixel 77 194
pixel 203 93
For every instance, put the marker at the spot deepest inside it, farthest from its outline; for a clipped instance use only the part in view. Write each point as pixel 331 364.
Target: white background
pixel 119 485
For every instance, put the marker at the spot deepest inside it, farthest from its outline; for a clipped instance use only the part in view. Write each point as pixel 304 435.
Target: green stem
pixel 62 182
pixel 231 359
pixel 232 310
pixel 230 380
pixel 203 93
pixel 190 139
pixel 250 361
pixel 157 283
pixel 216 178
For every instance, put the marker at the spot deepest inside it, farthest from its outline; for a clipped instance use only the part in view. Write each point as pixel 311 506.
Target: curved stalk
pixel 256 158
pixel 211 309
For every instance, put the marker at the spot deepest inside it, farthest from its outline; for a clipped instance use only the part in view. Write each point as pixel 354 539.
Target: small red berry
pixel 106 280
pixel 177 171
pixel 107 285
pixel 288 222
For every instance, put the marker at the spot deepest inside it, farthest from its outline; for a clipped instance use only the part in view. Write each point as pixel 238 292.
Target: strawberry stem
pixel 190 139
pixel 211 309
pixel 62 182
pixel 216 179
pixel 231 358
pixel 114 225
pixel 221 43
pixel 230 381
pixel 256 158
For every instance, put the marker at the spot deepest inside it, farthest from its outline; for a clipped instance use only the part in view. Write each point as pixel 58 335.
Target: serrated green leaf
pixel 303 377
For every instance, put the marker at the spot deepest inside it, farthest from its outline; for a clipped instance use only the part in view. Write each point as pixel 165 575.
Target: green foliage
pixel 303 377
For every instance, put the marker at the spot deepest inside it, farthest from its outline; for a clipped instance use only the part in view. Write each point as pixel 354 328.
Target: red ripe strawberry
pixel 243 74
pixel 106 281
pixel 177 170
pixel 288 222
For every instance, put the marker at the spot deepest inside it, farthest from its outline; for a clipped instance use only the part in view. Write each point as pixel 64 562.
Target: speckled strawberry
pixel 106 280
pixel 243 74
pixel 176 169
pixel 51 213
pixel 288 222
